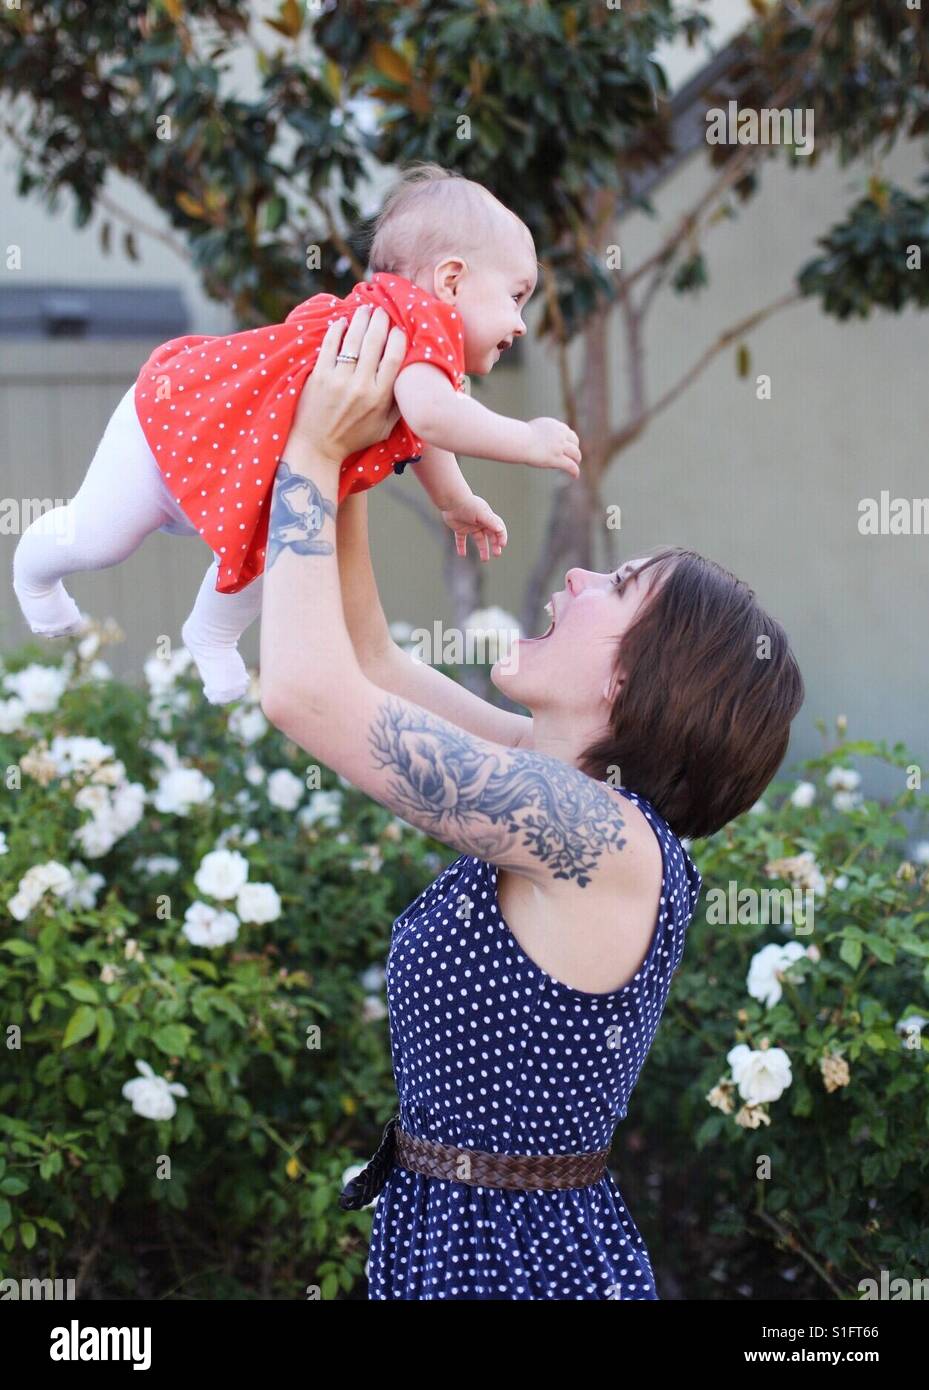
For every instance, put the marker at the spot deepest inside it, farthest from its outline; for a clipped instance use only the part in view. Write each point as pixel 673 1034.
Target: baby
pixel 194 445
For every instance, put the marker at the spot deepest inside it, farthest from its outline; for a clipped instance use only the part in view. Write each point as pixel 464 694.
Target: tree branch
pixel 625 436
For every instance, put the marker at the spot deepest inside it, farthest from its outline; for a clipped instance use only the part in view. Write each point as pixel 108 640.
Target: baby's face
pixel 491 297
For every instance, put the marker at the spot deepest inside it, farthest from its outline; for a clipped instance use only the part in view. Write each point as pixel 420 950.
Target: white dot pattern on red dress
pixel 491 1052
pixel 431 328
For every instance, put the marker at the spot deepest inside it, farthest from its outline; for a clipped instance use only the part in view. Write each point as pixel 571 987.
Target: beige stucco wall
pixel 768 488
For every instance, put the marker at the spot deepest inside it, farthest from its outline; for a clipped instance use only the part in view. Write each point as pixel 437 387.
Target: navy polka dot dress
pixel 492 1052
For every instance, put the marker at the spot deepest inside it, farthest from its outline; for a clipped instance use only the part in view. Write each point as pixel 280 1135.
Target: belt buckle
pixel 363 1188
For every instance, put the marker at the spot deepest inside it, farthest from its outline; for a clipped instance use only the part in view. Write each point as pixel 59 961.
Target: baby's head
pixel 458 242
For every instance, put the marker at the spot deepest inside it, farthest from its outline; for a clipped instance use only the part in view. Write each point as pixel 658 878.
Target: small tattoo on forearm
pixel 494 802
pixel 298 514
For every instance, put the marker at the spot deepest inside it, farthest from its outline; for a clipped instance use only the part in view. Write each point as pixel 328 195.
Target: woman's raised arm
pixel 394 670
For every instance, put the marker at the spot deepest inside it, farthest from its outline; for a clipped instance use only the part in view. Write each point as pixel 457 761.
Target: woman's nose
pixel 576 578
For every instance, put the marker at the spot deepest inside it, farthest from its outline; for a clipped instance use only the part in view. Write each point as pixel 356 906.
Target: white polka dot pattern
pixel 492 1052
pixel 216 412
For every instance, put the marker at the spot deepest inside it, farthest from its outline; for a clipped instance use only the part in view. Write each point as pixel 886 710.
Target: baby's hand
pixel 473 517
pixel 554 445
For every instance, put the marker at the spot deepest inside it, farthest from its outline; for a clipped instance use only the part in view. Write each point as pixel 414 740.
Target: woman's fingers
pixel 392 359
pixel 331 345
pixel 356 332
pixel 372 343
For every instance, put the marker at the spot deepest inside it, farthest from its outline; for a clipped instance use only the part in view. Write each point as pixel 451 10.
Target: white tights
pixel 123 499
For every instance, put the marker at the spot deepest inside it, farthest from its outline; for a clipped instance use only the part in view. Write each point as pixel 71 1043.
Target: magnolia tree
pixel 560 109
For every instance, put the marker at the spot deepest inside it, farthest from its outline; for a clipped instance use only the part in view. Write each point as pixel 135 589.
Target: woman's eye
pixel 618 581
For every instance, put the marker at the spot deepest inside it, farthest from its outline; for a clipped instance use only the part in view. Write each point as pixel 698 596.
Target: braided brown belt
pixel 457 1163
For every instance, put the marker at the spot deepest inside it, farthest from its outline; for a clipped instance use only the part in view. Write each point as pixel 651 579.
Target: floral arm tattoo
pixel 443 781
pixel 298 514
pixel 508 806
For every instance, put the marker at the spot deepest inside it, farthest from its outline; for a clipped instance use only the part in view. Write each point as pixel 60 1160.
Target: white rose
pixel 920 853
pixel 222 873
pixel 845 778
pixel 161 672
pixel 79 754
pixel 761 1075
pixel 88 646
pixel 152 1096
pixel 285 790
pixel 369 861
pixel 255 774
pixel 209 926
pixel 21 904
pixel 762 982
pixel 182 789
pixel 96 837
pixel 846 801
pixel 127 806
pixel 258 902
pixel 373 1008
pixel 165 752
pixel 803 794
pixel 4 847
pixel 39 687
pixel 13 715
pixel 322 806
pixel 93 798
pixel 86 887
pixel 35 882
pixel 373 979
pixel 157 864
pixel 247 723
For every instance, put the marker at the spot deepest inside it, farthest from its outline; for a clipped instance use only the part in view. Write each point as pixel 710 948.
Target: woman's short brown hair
pixel 702 722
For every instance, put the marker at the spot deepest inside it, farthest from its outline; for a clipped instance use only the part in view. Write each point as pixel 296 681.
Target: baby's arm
pixel 443 480
pixel 453 421
pixel 462 512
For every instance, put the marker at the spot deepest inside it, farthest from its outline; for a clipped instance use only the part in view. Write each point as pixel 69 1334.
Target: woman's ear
pixel 612 687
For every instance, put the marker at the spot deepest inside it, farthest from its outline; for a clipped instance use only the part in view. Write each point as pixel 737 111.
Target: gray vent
pixel 92 311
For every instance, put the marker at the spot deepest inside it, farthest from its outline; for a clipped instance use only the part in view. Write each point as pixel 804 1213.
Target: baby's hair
pixel 431 212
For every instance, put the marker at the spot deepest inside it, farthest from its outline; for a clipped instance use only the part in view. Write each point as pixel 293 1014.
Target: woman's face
pixel 572 665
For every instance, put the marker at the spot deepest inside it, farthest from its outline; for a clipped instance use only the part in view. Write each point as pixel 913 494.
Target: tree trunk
pixel 577 517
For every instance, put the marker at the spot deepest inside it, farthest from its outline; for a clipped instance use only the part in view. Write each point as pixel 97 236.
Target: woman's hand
pixel 346 406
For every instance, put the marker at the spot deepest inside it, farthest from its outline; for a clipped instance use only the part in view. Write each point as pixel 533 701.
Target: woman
pixel 525 984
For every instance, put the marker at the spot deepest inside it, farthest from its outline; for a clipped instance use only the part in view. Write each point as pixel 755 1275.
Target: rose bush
pixel 193 925
pixel 193 928
pixel 776 1145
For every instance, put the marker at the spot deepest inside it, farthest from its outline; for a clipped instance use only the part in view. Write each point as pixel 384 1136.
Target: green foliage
pixel 269 1118
pixel 846 1138
pixel 879 256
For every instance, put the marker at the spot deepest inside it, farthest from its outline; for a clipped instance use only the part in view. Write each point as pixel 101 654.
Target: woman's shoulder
pixel 652 846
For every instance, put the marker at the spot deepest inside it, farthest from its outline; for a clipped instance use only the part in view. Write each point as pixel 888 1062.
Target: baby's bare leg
pixel 211 634
pixel 121 501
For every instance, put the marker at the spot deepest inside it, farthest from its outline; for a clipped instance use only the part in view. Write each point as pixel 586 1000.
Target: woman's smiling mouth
pixel 550 610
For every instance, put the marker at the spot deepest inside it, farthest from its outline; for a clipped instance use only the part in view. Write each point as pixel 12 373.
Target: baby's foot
pixel 222 670
pixel 50 613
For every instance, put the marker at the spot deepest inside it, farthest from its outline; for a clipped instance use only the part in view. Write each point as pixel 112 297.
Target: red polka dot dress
pixel 216 412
